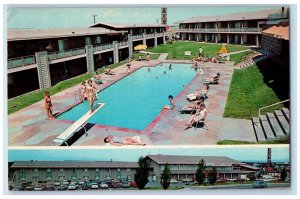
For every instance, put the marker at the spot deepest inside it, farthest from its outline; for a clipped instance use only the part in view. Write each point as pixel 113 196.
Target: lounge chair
pixel 98 81
pixel 192 96
pixel 183 110
pixel 69 132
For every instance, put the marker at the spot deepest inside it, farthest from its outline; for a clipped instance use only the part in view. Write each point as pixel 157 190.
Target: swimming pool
pixel 137 99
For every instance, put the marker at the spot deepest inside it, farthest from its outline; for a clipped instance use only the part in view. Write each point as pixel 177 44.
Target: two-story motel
pixel 235 28
pixel 181 167
pixel 39 59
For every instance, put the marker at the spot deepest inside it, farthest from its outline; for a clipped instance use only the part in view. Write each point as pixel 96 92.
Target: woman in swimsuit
pixel 48 105
pixel 119 141
pixel 91 93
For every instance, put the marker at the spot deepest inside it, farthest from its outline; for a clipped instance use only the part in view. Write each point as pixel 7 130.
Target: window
pixel 61 170
pixel 74 178
pixel 22 170
pixel 85 170
pixel 119 169
pixel 35 170
pixel 128 169
pixel 74 170
pixel 97 170
pixel 48 178
pixel 61 177
pixel 97 177
pixel 48 170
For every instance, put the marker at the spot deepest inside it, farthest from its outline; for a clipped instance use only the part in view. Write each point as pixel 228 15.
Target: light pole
pixel 94 16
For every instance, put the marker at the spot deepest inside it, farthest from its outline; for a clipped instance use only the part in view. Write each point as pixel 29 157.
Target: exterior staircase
pixel 272 125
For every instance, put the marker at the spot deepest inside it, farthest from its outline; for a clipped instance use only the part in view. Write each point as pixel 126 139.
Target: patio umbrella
pixel 140 47
pixel 223 50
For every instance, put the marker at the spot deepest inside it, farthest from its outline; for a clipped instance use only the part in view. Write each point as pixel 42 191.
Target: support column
pixel 116 52
pixel 43 69
pixel 242 42
pixel 144 39
pixel 89 58
pixel 130 45
pixel 205 37
pixel 164 37
pixel 257 40
pixel 189 36
pixel 155 38
pixel 197 36
pixel 216 38
pixel 228 38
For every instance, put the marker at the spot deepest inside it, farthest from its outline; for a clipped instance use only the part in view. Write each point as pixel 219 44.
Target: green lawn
pixel 283 140
pixel 176 50
pixel 248 93
pixel 237 58
pixel 152 56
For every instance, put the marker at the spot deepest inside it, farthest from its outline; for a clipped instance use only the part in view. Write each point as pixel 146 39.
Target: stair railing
pixel 259 110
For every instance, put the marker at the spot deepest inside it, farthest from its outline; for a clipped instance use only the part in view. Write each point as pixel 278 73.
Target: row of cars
pixel 76 185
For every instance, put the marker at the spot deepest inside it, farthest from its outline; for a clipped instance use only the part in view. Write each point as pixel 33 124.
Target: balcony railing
pixel 123 43
pixel 102 47
pixel 137 36
pixel 218 30
pixel 65 53
pixel 21 61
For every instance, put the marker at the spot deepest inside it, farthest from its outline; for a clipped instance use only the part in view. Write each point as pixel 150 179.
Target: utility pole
pixel 94 18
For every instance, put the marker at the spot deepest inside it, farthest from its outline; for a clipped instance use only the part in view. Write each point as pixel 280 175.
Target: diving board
pixel 69 132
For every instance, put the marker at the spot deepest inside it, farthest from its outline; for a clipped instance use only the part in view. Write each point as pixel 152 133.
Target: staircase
pixel 272 125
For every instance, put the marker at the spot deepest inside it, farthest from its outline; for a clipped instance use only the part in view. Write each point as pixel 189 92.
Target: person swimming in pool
pixel 149 70
pixel 170 67
pixel 165 73
pixel 119 141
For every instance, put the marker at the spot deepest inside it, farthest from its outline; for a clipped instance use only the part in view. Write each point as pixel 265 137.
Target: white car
pixel 81 182
pixel 65 182
pixel 72 186
pixel 173 181
pixel 56 183
pixel 94 186
pixel 186 180
pixel 103 185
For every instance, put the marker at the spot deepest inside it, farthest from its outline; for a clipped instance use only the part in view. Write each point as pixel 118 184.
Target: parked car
pixel 29 188
pixel 56 183
pixel 186 180
pixel 39 188
pixel 85 186
pixel 221 180
pixel 231 179
pixel 132 183
pixel 62 187
pixel 65 182
pixel 72 186
pixel 81 182
pixel 173 181
pixel 260 183
pixel 125 185
pixel 94 185
pixel 103 185
pixel 49 187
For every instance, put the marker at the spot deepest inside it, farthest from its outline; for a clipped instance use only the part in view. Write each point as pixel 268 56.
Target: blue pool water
pixel 135 101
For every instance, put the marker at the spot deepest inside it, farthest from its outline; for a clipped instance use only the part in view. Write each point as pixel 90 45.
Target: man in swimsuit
pixel 119 141
pixel 48 105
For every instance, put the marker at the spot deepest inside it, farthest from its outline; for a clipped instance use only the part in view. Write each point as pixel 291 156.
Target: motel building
pixel 41 58
pixel 235 28
pixel 182 167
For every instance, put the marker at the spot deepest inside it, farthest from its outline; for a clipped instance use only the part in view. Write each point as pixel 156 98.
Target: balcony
pixel 102 47
pixel 65 53
pixel 20 61
pixel 217 30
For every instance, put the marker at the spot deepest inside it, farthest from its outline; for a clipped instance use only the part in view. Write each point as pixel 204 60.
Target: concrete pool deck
pixel 30 126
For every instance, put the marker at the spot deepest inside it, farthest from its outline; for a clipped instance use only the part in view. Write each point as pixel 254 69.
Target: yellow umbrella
pixel 140 47
pixel 223 50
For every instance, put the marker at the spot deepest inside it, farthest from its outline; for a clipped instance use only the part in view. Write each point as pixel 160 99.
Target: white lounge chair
pixel 69 132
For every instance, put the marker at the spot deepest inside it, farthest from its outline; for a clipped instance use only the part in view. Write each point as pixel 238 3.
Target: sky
pixel 72 17
pixel 244 154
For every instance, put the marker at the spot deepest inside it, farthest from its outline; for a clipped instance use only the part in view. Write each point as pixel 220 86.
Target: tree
pixel 165 177
pixel 200 174
pixel 283 174
pixel 142 173
pixel 213 176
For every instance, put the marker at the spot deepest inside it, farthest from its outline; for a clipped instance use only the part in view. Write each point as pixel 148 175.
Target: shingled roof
pixel 126 25
pixel 280 31
pixel 73 164
pixel 25 34
pixel 176 159
pixel 263 14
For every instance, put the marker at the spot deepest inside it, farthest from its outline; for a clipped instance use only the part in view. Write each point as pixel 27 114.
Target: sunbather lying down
pixel 213 78
pixel 119 141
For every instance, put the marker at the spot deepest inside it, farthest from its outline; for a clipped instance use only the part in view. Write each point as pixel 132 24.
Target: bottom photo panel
pixel 215 170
